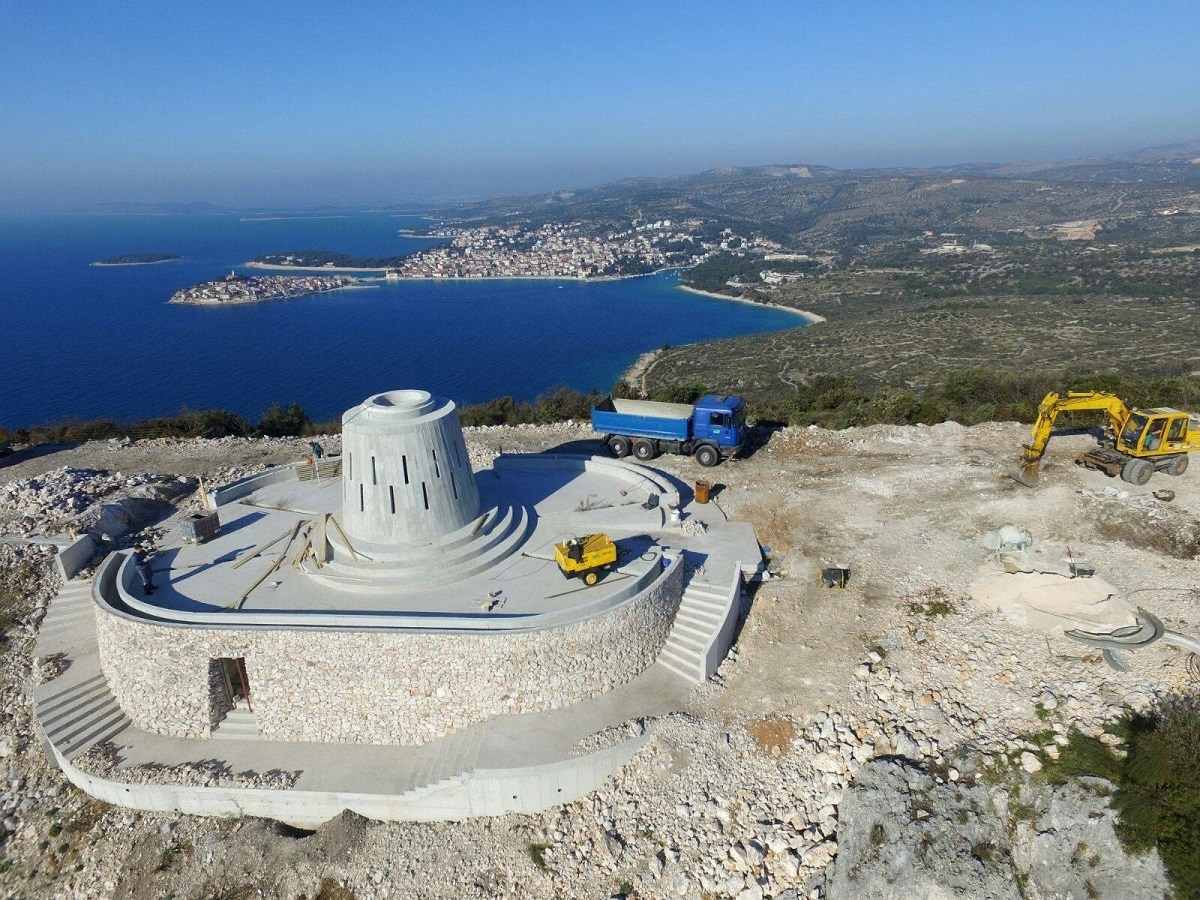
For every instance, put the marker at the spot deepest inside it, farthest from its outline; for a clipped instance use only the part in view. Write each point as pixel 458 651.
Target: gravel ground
pixel 737 795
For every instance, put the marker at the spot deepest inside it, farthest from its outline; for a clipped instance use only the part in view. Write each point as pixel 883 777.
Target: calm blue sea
pixel 81 341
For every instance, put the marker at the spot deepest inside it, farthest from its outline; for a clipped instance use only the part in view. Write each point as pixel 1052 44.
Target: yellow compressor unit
pixel 586 557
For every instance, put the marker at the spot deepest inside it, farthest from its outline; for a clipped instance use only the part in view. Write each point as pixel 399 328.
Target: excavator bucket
pixel 1027 473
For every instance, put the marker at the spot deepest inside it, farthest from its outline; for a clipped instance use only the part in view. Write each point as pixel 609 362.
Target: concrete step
pixel 101 718
pixel 58 617
pixel 677 669
pixel 691 628
pixel 72 598
pixel 65 691
pixel 104 730
pixel 702 592
pixel 681 639
pixel 700 615
pixel 455 754
pixel 71 702
pixel 238 724
pixel 686 659
pixel 80 714
pixel 706 596
pixel 693 604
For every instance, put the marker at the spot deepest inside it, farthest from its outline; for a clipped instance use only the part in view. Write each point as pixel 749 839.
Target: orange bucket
pixel 703 488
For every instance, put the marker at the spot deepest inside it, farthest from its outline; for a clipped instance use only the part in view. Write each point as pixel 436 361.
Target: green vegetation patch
pixel 1158 784
pixel 557 406
pixel 321 258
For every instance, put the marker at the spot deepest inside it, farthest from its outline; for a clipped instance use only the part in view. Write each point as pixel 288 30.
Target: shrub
pixel 1158 784
pixel 284 422
pixel 1158 793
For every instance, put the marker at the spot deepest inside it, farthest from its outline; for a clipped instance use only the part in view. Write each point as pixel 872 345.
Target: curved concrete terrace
pixel 510 582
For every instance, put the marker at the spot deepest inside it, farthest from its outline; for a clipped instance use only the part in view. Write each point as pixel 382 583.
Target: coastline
pixel 290 218
pixel 344 287
pixel 813 318
pixel 118 265
pixel 278 268
pixel 381 271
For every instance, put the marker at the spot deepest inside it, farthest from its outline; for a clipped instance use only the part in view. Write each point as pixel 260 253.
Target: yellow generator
pixel 587 557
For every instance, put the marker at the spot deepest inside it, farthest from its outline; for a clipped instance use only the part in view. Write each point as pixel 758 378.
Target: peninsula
pixel 550 250
pixel 326 259
pixel 235 289
pixel 138 259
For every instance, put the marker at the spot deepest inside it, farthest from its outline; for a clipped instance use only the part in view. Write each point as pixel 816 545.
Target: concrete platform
pixel 507 763
pixel 549 502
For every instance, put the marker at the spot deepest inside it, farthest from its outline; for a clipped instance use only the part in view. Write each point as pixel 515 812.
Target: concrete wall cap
pixel 395 407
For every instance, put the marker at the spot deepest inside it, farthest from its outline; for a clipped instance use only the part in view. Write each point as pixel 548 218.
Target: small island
pixel 326 259
pixel 138 259
pixel 235 289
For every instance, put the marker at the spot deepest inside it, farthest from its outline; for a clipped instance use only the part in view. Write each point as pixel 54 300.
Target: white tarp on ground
pixel 1047 601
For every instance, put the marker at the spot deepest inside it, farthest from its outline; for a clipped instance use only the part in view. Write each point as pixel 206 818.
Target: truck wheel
pixel 1137 471
pixel 644 450
pixel 1178 465
pixel 619 446
pixel 707 456
pixel 590 578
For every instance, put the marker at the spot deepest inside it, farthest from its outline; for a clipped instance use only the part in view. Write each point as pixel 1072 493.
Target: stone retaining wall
pixel 403 688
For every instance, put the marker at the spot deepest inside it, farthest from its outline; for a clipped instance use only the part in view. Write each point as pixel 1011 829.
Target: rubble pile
pixel 94 500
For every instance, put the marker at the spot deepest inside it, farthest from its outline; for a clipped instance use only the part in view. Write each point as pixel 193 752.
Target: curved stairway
pixel 76 709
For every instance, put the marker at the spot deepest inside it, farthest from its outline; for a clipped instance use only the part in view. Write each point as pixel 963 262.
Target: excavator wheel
pixel 1178 465
pixel 1137 471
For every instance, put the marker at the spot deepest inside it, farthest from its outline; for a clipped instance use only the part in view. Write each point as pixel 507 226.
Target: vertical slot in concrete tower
pixel 406 476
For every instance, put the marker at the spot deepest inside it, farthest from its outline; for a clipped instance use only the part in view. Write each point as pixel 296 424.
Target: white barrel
pixel 406 476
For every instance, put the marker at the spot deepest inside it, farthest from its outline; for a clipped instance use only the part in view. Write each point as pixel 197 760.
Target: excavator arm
pixel 1052 406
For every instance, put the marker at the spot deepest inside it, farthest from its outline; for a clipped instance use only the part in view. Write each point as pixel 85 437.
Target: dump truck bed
pixel 646 418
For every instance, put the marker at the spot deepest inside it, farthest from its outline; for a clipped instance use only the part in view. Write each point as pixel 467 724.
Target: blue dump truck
pixel 712 430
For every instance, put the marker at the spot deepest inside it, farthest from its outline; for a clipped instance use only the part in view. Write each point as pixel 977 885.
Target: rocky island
pixel 236 289
pixel 138 259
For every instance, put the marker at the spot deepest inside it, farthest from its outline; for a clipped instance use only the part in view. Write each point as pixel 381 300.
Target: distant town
pixel 235 289
pixel 552 250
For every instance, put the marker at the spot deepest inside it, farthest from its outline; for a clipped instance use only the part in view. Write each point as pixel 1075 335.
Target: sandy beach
pixel 812 317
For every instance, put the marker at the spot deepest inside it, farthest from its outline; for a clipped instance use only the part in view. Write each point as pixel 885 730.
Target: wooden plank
pixel 349 546
pixel 261 550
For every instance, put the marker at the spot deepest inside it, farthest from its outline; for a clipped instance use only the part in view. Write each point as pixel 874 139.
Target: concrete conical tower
pixel 406 476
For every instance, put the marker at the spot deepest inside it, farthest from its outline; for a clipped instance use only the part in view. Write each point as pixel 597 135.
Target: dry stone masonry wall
pixel 379 687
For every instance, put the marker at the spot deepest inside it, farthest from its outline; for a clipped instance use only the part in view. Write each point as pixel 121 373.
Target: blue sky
pixel 305 103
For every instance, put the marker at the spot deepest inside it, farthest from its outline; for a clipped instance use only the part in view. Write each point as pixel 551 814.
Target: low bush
pixel 559 405
pixel 1157 784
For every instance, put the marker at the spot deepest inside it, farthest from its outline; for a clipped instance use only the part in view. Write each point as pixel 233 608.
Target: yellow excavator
pixel 1137 443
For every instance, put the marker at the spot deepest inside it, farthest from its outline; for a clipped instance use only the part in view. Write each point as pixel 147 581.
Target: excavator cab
pixel 1154 432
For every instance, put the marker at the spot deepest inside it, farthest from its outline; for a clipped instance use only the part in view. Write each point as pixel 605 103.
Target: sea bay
pixel 87 342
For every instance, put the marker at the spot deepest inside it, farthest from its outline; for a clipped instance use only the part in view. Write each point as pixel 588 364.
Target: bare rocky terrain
pixel 891 739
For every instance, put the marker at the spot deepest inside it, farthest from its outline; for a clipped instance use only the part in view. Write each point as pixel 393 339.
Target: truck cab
pixel 721 419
